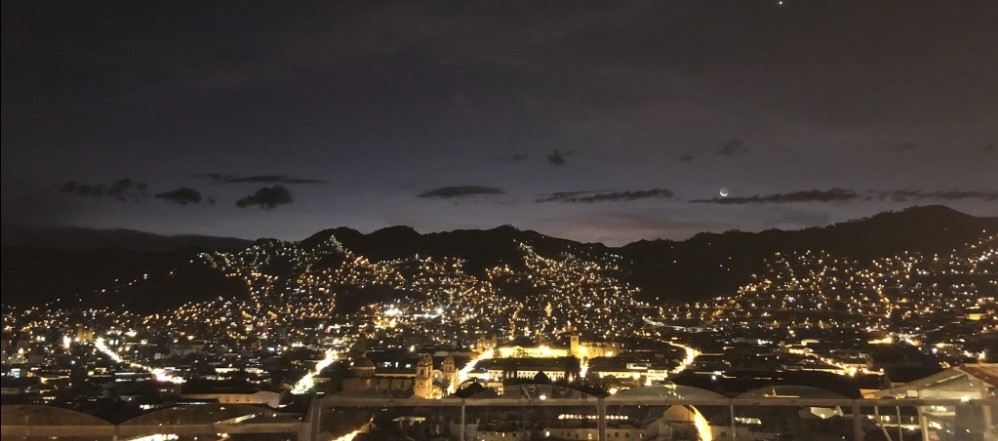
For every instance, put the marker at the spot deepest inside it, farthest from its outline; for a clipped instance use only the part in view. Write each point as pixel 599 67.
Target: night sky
pixel 598 121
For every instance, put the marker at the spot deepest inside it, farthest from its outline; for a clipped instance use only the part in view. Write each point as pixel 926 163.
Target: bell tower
pixel 423 385
pixel 449 368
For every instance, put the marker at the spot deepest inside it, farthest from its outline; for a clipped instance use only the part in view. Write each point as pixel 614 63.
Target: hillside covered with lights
pixel 877 272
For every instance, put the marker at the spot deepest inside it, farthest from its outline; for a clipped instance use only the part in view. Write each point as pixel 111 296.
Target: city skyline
pixel 732 220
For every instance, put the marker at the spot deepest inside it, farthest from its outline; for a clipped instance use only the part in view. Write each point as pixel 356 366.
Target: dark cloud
pixel 588 197
pixel 841 195
pixel 83 189
pixel 461 191
pixel 732 146
pixel 182 196
pixel 556 157
pixel 122 189
pixel 517 158
pixel 832 195
pixel 267 198
pixel 950 195
pixel 219 178
pixel 686 157
pixel 563 196
pixel 905 147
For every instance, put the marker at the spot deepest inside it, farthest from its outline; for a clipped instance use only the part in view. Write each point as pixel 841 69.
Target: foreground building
pixel 965 383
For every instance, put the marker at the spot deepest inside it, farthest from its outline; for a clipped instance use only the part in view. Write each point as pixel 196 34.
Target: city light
pixel 307 382
pixel 160 374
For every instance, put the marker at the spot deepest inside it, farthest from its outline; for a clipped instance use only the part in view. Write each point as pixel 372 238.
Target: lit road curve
pixel 161 374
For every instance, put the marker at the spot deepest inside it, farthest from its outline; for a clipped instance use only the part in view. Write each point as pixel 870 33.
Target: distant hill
pixel 480 248
pixel 42 264
pixel 74 238
pixel 711 264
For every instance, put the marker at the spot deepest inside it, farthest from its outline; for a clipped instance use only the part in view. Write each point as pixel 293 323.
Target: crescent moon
pixel 724 192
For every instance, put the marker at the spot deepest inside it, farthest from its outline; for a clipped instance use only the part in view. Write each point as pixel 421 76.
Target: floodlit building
pixel 578 348
pixel 424 387
pixel 423 382
pixel 592 349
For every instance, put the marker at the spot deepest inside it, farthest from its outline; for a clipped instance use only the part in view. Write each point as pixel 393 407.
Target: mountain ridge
pixel 72 237
pixel 706 265
pixel 69 237
pixel 696 263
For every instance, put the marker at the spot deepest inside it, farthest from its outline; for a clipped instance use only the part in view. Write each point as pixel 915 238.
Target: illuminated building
pixel 424 387
pixel 592 349
pixel 977 381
